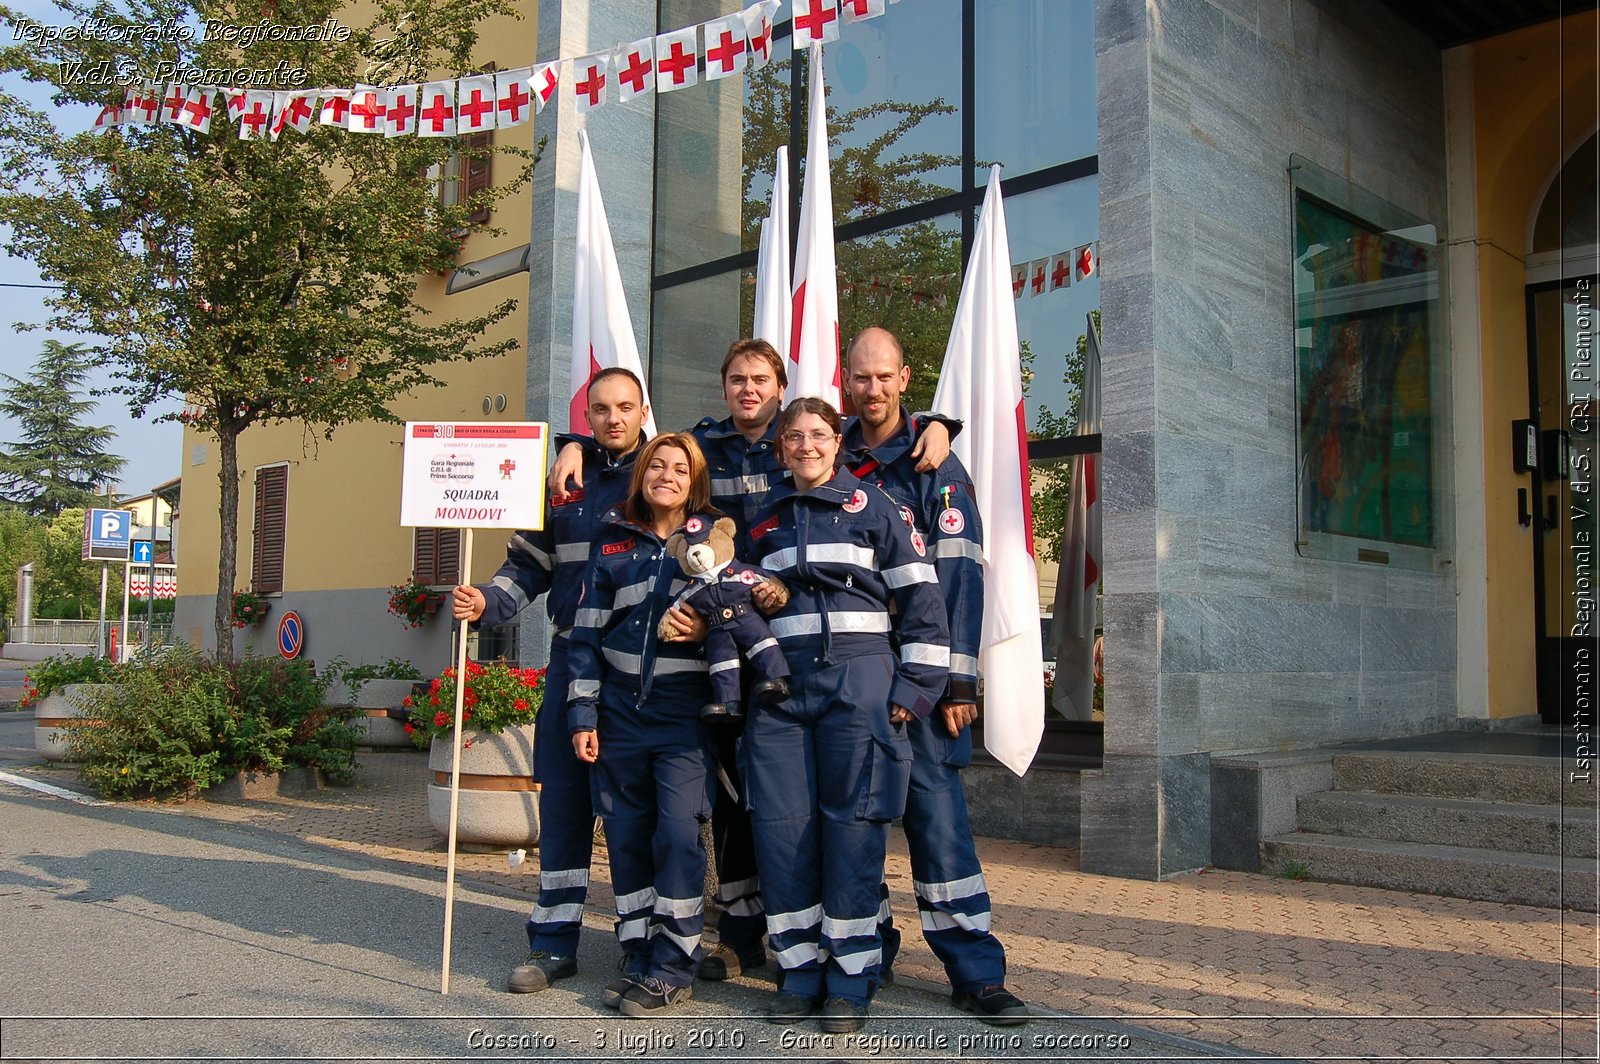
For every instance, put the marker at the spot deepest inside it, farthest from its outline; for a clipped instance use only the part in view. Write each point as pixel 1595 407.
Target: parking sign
pixel 107 535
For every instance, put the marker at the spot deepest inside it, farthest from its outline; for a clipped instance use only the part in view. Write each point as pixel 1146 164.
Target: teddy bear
pixel 720 590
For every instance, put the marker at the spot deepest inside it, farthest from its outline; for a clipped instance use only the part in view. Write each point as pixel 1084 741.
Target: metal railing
pixel 50 632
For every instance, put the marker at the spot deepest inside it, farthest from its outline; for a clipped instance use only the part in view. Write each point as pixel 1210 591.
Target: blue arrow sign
pixel 143 551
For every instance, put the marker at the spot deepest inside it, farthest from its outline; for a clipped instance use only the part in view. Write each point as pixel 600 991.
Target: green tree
pixel 259 280
pixel 1052 482
pixel 59 462
pixel 22 540
pixel 64 584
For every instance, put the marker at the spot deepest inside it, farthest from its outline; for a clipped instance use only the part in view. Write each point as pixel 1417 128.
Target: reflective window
pixel 1035 84
pixel 694 324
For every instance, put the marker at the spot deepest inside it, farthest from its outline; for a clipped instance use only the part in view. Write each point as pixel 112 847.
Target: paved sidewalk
pixel 1261 965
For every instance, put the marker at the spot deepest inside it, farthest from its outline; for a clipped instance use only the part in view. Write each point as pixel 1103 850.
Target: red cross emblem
pixel 199 109
pixel 727 51
pixel 438 112
pixel 919 544
pixel 506 469
pixel 749 577
pixel 473 110
pixel 1061 274
pixel 693 525
pixel 335 110
pixel 175 103
pixel 1086 260
pixel 515 99
pixel 857 503
pixel 593 85
pixel 676 63
pixel 549 85
pixel 951 522
pixel 150 105
pixel 400 112
pixel 761 41
pixel 368 110
pixel 256 118
pixel 638 69
pixel 1038 280
pixel 299 111
pixel 815 20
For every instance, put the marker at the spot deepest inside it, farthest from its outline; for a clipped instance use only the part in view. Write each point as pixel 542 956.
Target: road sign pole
pixel 100 638
pixel 150 592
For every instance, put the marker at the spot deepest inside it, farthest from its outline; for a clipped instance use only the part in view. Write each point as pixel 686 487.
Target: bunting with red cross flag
pixel 758 31
pixel 512 100
pixel 635 66
pixel 335 109
pixel 1019 279
pixel 676 55
pixel 299 112
pixel 860 10
pixel 110 117
pixel 233 101
pixel 1084 262
pixel 196 111
pixel 133 110
pixel 400 111
pixel 727 47
pixel 437 118
pixel 543 84
pixel 475 107
pixel 815 22
pixel 172 102
pixel 1060 271
pixel 255 121
pixel 366 109
pixel 589 82
pixel 1038 276
pixel 280 108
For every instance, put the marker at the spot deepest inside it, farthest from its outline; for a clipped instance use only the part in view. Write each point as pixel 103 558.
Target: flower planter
pixel 58 711
pixel 499 802
pixel 251 784
pixel 382 720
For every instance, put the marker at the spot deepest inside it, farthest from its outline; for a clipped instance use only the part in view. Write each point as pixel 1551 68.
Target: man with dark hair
pixel 551 563
pixel 946 876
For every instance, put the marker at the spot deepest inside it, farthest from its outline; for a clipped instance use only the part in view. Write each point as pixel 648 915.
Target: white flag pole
pixel 455 773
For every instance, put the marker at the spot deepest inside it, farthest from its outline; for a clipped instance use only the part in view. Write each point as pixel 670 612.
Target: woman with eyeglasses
pixel 634 710
pixel 827 770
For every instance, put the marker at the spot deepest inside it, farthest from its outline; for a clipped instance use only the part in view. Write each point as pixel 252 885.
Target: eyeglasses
pixel 816 437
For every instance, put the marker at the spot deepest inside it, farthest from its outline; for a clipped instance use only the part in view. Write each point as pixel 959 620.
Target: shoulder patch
pixel 919 544
pixel 951 522
pixel 857 503
pixel 764 527
pixel 619 547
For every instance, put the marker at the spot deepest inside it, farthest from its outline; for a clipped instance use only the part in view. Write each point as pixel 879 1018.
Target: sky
pixel 152 450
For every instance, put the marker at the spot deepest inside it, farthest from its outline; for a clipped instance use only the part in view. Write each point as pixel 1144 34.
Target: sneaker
pixel 841 1017
pixel 650 995
pixel 994 1005
pixel 725 962
pixel 611 997
pixel 789 1008
pixel 539 971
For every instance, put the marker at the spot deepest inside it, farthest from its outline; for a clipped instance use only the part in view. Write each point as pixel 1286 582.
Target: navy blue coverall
pixel 827 770
pixel 551 563
pixel 952 897
pixel 743 476
pixel 653 782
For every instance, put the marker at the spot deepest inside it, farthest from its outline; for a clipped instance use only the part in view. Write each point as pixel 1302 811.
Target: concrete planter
pixel 382 720
pixel 56 711
pixel 499 803
pixel 250 785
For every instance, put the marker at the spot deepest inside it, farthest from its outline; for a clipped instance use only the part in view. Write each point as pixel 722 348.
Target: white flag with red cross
pixel 727 47
pixel 676 54
pixel 255 120
pixel 133 113
pixel 280 109
pixel 475 107
pixel 758 31
pixel 298 112
pixel 196 111
pixel 543 84
pixel 589 82
pixel 1077 584
pixel 1038 276
pixel 173 98
pixel 110 117
pixel 602 332
pixel 437 118
pixel 366 109
pixel 635 67
pixel 815 22
pixel 335 110
pixel 1084 262
pixel 233 102
pixel 981 384
pixel 512 99
pixel 400 111
pixel 1019 279
pixel 1061 271
pixel 860 10
pixel 814 326
pixel 773 305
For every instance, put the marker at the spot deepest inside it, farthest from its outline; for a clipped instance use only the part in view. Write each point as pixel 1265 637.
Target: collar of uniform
pixel 616 518
pixel 596 455
pixel 838 491
pixel 725 429
pixel 887 452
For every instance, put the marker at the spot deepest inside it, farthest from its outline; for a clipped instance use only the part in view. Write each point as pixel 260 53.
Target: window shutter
pixel 424 554
pixel 436 556
pixel 448 570
pixel 272 506
pixel 475 176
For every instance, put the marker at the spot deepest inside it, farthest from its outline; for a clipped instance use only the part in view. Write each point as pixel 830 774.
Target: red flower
pixel 521 704
pixel 441 720
pixel 433 700
pixel 409 728
pixel 406 701
pixel 434 687
pixel 469 697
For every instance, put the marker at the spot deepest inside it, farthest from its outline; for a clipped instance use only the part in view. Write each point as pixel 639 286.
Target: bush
pixel 56 672
pixel 184 723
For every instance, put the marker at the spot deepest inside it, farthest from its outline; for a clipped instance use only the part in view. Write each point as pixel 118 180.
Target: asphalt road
pixel 131 933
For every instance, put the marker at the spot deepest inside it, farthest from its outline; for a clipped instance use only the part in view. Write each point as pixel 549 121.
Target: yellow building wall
pixel 1533 103
pixel 342 527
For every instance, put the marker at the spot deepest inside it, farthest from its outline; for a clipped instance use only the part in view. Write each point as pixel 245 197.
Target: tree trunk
pixel 228 538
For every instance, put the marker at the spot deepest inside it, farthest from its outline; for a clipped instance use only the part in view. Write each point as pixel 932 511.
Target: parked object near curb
pixel 57 712
pixel 251 784
pixel 499 803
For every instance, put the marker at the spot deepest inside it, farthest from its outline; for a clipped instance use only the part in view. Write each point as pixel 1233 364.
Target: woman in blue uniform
pixel 634 710
pixel 828 769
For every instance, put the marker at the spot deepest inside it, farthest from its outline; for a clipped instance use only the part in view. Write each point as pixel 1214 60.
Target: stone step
pixel 1489 777
pixel 1511 826
pixel 1452 871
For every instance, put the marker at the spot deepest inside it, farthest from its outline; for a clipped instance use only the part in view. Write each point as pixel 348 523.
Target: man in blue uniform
pixel 551 563
pixel 948 880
